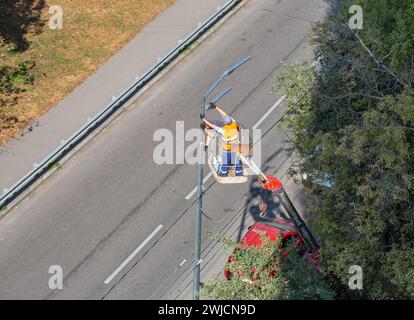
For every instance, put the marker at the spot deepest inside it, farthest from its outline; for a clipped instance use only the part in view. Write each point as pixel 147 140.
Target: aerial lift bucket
pixel 215 161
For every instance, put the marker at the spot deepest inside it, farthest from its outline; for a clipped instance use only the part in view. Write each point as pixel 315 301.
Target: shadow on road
pixel 258 195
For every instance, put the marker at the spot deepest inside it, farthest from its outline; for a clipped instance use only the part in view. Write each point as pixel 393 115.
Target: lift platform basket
pixel 215 161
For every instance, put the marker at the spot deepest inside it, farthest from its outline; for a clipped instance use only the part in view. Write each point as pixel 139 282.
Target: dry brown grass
pixel 92 32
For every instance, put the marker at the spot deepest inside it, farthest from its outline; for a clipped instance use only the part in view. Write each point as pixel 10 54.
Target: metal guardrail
pixel 92 123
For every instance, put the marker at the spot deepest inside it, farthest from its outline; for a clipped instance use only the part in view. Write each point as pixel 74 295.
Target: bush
pixel 294 278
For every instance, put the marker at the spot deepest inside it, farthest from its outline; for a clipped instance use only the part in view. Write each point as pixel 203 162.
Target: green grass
pixel 53 166
pixel 92 32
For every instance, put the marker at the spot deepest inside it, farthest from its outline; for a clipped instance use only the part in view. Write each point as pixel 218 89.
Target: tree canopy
pixel 267 273
pixel 352 117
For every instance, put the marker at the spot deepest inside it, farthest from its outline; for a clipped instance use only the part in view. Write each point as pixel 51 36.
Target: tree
pixel 17 18
pixel 353 121
pixel 265 273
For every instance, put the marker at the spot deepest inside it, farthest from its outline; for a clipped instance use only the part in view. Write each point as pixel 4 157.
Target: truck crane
pixel 279 227
pixel 275 186
pixel 268 183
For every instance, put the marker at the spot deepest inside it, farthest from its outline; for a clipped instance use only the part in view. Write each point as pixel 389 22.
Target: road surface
pixel 119 225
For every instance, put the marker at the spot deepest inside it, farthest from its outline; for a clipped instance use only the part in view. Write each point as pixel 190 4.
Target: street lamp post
pixel 204 105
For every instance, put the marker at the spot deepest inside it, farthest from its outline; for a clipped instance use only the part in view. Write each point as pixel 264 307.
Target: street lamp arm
pixel 225 74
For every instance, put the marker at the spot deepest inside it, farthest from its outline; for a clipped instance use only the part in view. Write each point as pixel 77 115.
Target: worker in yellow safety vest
pixel 229 132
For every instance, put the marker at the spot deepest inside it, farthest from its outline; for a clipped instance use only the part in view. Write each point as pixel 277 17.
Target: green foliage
pixel 389 32
pixel 357 125
pixel 303 281
pixel 17 18
pixel 295 83
pixel 13 78
pixel 294 278
pixel 54 166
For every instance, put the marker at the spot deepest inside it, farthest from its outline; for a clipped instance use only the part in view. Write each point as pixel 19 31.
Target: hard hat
pixel 227 120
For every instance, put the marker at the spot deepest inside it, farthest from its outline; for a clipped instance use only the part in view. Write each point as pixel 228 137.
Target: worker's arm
pixel 209 136
pixel 211 128
pixel 209 124
pixel 222 112
pixel 209 132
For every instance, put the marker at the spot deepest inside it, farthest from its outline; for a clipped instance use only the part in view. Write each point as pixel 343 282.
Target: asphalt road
pixel 119 224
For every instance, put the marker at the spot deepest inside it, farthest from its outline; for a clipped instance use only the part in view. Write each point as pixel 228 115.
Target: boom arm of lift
pixel 275 186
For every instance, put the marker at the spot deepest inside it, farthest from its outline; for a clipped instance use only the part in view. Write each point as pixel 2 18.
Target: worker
pixel 229 132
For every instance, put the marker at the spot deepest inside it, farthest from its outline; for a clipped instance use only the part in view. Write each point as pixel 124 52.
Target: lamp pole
pixel 201 152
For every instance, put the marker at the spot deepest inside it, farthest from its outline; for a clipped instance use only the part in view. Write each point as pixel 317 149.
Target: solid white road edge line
pixel 278 102
pixel 133 254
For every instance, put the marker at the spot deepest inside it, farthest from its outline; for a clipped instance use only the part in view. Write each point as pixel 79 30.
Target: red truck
pixel 274 230
pixel 293 231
